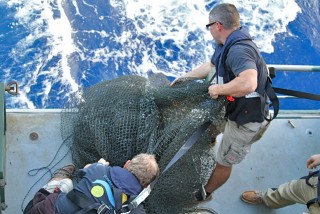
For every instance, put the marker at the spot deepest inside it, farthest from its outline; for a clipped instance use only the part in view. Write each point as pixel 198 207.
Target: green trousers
pixel 296 191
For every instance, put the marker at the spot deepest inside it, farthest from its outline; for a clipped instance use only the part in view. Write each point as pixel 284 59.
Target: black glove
pixel 201 194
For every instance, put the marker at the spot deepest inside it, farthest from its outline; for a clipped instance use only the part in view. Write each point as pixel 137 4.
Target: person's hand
pixel 104 162
pixel 212 92
pixel 313 161
pixel 178 79
pixel 182 79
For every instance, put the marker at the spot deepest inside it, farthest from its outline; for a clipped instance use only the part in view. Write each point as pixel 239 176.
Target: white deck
pixel 279 157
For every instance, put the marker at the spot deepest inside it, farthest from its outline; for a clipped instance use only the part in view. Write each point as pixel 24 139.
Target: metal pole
pixel 295 67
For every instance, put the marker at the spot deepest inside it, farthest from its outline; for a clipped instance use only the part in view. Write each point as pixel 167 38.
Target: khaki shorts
pixel 237 140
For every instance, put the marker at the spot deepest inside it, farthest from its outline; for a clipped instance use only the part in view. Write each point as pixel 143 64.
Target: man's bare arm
pixel 200 72
pixel 245 83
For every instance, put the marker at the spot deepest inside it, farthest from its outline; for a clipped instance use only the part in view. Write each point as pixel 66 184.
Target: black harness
pixel 317 199
pixel 88 206
pixel 241 109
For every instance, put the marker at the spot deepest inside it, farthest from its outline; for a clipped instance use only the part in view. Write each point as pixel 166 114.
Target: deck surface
pixel 278 157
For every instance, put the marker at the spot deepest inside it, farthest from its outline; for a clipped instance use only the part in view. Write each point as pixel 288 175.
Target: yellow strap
pixel 124 198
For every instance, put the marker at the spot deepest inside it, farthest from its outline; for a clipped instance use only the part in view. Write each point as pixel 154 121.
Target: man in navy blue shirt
pixel 242 78
pixel 100 187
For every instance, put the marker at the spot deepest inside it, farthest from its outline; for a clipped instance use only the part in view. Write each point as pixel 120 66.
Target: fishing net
pixel 120 118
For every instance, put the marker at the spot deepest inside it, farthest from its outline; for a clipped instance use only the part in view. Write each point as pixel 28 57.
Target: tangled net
pixel 120 118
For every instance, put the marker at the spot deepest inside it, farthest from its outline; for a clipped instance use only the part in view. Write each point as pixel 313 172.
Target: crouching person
pixel 102 188
pixel 306 191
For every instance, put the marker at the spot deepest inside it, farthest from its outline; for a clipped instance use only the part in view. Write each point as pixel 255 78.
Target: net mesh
pixel 120 118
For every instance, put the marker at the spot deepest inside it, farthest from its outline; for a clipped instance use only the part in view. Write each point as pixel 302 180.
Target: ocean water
pixel 53 48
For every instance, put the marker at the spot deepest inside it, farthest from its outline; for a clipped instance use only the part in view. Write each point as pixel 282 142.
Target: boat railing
pixel 295 114
pixel 302 68
pixel 292 68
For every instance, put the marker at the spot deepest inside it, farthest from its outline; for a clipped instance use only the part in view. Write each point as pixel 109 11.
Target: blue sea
pixel 54 48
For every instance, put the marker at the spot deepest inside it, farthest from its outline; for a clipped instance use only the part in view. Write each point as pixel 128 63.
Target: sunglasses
pixel 212 23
